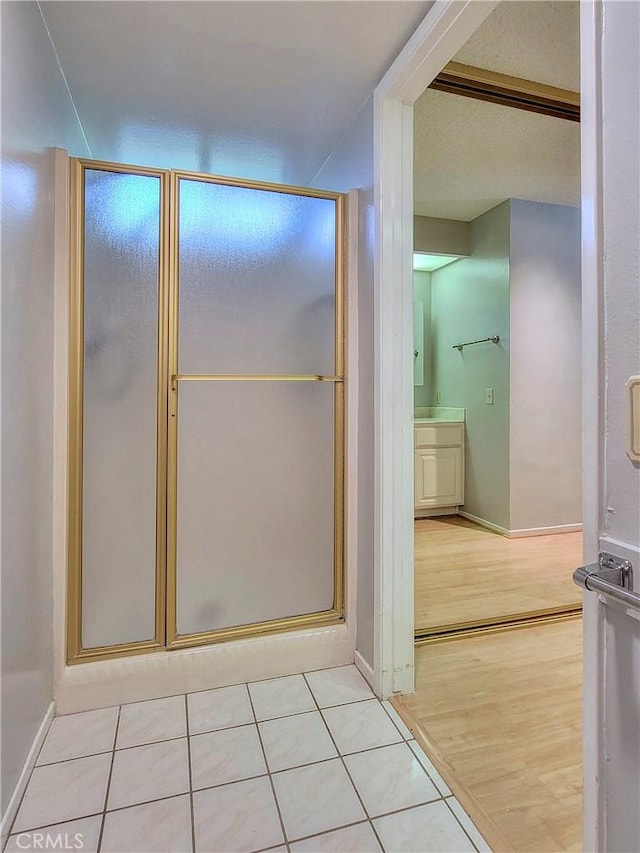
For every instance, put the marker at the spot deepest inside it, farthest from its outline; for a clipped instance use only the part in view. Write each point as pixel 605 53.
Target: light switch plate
pixel 633 431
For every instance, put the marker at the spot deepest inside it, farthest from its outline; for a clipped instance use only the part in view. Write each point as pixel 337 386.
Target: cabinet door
pixel 438 477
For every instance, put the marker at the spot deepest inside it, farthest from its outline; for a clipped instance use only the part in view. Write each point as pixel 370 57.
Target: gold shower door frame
pixel 168 382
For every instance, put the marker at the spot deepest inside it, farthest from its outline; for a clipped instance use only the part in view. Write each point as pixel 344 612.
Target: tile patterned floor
pixel 305 764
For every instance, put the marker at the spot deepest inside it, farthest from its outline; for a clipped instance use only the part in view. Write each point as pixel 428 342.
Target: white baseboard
pixel 85 686
pixel 521 534
pixel 545 531
pixel 18 792
pixel 364 668
pixel 489 525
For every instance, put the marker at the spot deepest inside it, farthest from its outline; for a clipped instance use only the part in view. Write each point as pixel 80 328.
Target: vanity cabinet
pixel 439 465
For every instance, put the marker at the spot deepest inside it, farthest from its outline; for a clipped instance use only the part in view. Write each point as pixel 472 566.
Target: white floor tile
pixel 389 779
pixel 221 708
pixel 237 818
pixel 400 725
pixel 62 792
pixel 152 721
pixel 160 827
pixel 338 686
pixel 280 697
pixel 436 778
pixel 148 773
pixel 76 735
pixel 226 756
pixel 316 798
pixel 427 829
pixel 468 825
pixel 352 839
pixel 292 741
pixel 361 725
pixel 80 834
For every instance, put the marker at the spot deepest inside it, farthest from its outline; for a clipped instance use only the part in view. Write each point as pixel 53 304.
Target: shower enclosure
pixel 207 409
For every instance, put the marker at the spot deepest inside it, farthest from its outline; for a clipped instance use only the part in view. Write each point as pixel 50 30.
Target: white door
pixel 611 349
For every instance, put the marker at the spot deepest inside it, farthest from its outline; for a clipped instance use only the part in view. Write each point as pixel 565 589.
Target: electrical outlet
pixel 437 398
pixel 489 397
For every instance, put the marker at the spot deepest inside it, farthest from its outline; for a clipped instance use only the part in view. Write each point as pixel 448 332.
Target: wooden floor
pixel 500 715
pixel 465 574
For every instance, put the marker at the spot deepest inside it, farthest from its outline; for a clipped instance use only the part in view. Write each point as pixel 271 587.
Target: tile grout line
pixel 335 829
pixel 268 769
pixel 106 795
pixel 224 785
pixel 395 722
pixel 193 820
pixel 211 690
pixel 341 757
pixel 117 749
pixel 435 784
pixel 226 729
pixel 459 822
pixel 216 731
pixel 366 818
pixel 442 796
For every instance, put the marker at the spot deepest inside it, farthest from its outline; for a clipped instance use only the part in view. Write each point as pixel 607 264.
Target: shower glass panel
pixel 257 281
pixel 255 502
pixel 119 404
pixel 255 457
pixel 206 415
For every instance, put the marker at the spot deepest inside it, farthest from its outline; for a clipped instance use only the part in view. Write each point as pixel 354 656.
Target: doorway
pixel 497 423
pixel 204 400
pixel 451 712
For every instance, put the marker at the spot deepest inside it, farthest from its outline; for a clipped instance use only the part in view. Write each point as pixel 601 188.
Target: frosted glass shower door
pixel 116 585
pixel 255 533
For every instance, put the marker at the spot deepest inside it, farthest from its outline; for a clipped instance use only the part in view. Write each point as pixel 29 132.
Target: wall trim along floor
pixel 25 774
pixel 521 534
pixel 100 684
pixel 365 669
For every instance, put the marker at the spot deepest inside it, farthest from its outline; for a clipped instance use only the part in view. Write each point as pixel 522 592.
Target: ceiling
pixel 471 155
pixel 538 40
pixel 260 90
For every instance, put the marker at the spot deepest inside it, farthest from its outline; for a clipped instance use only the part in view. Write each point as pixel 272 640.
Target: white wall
pixel 620 497
pixel 350 166
pixel 36 113
pixel 469 301
pixel 422 295
pixel 545 358
pixel 522 282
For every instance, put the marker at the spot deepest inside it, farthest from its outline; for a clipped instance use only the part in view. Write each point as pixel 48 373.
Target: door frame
pixel 445 29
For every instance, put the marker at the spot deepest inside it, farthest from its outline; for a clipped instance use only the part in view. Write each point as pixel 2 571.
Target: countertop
pixel 438 415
